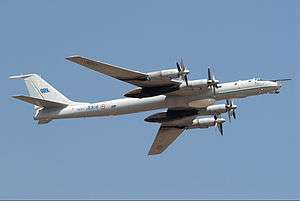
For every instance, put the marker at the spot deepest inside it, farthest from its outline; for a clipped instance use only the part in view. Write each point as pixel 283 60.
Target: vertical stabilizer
pixel 39 88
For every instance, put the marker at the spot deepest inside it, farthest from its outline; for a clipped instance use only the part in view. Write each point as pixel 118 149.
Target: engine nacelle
pixel 169 73
pixel 217 109
pixel 205 122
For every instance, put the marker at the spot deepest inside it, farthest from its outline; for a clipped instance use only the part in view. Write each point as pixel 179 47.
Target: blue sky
pixel 106 158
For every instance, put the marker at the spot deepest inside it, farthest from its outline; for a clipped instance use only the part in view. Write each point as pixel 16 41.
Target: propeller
pixel 211 81
pixel 231 109
pixel 182 71
pixel 219 124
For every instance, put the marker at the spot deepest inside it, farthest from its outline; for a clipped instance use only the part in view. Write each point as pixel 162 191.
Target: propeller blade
pixel 213 73
pixel 211 81
pixel 230 109
pixel 215 117
pixel 213 77
pixel 233 114
pixel 229 116
pixel 220 127
pixel 208 74
pixel 186 80
pixel 182 71
pixel 178 67
pixel 182 64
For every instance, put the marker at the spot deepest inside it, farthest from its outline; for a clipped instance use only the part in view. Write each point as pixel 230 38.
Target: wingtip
pixel 20 76
pixel 72 57
pixel 151 154
pixel 154 152
pixel 18 96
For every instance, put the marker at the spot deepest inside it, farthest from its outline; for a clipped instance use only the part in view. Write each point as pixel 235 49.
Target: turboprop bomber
pixel 185 100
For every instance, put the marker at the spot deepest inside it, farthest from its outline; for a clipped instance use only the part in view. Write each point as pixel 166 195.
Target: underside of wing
pixel 130 76
pixel 171 115
pixel 164 137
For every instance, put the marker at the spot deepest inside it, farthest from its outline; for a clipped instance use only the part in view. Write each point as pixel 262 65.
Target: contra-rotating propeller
pixel 230 109
pixel 212 81
pixel 219 124
pixel 182 71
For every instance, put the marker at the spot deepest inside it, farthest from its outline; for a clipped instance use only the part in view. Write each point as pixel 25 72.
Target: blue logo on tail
pixel 44 90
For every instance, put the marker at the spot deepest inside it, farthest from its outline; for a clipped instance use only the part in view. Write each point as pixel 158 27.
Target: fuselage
pixel 197 95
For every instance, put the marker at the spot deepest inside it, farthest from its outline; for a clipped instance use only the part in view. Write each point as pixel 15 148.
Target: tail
pixel 41 93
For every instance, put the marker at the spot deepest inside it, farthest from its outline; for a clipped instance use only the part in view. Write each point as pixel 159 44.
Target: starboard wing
pixel 165 136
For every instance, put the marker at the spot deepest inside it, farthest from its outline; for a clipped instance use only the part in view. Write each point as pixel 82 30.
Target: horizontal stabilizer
pixel 40 102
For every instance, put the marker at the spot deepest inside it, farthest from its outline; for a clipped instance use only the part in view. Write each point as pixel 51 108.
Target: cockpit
pixel 257 79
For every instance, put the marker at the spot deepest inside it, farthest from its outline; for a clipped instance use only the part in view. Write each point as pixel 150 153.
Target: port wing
pixel 130 76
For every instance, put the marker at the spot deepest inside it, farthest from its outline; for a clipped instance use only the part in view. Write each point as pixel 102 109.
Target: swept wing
pixel 165 136
pixel 130 76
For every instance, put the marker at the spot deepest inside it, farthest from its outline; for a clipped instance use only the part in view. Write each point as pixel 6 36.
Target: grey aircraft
pixel 184 99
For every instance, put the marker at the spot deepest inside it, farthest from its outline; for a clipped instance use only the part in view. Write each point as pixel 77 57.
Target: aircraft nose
pixel 272 84
pixel 275 86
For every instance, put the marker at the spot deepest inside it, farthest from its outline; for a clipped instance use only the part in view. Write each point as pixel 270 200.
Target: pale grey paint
pixel 198 95
pixel 231 90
